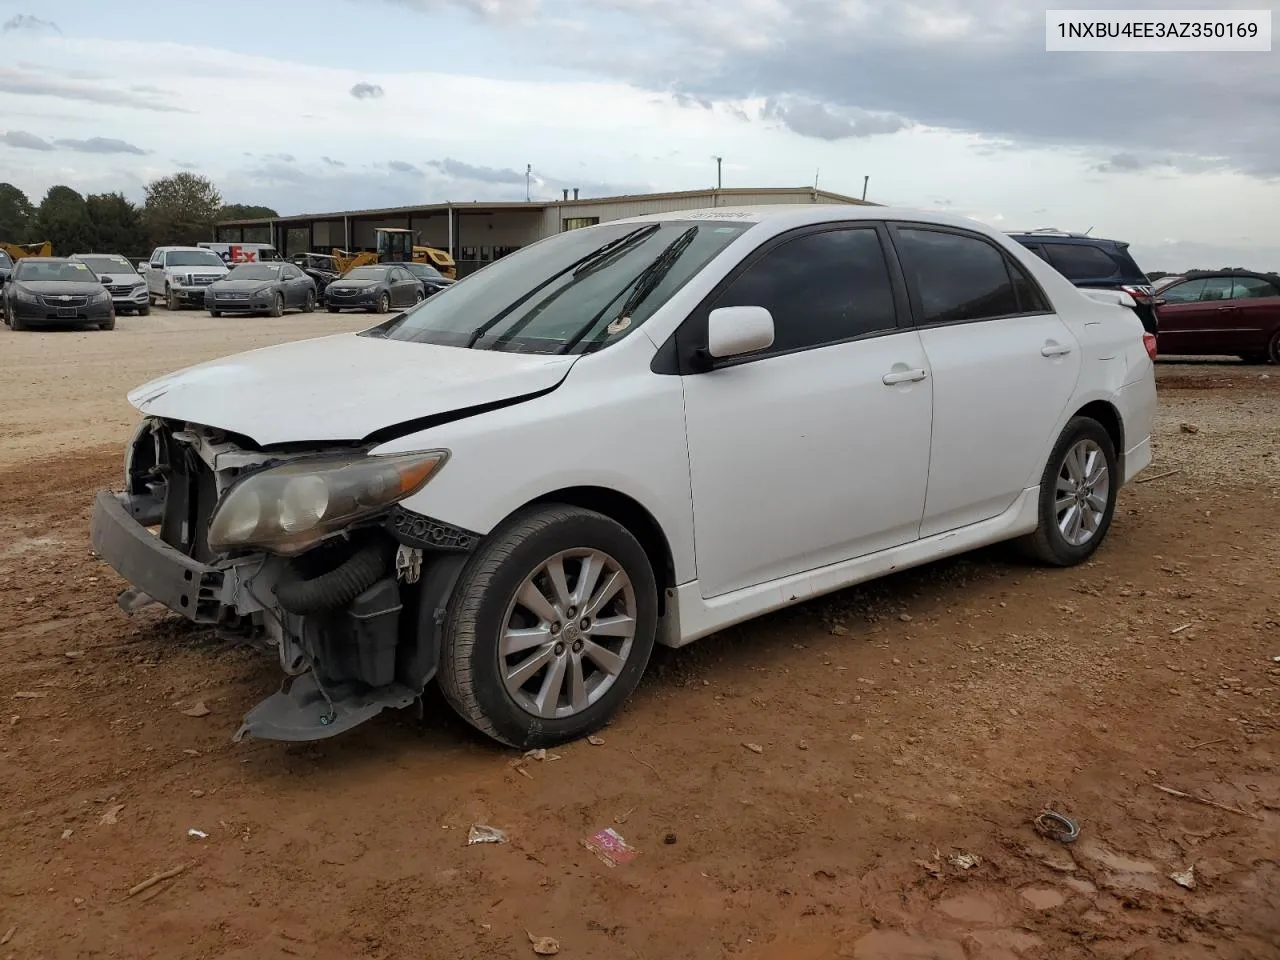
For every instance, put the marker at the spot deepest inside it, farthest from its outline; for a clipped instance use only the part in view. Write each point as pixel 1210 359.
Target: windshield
pixel 541 307
pixel 101 264
pixel 424 271
pixel 367 273
pixel 192 258
pixel 4 260
pixel 254 271
pixel 36 271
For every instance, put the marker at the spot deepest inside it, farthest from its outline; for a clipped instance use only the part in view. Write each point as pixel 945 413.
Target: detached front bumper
pixel 154 568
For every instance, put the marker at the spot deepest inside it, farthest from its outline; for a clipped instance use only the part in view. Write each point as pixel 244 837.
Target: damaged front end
pixel 304 550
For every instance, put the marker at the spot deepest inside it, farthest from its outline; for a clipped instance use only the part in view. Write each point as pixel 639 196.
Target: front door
pixel 990 336
pixel 815 450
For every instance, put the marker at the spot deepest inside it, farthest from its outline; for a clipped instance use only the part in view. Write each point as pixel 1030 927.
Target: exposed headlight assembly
pixel 290 508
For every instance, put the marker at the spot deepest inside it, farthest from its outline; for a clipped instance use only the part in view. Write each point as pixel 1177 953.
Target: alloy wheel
pixel 567 633
pixel 1083 492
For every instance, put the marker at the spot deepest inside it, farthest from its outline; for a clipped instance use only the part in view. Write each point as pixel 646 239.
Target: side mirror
pixel 734 331
pixel 1158 302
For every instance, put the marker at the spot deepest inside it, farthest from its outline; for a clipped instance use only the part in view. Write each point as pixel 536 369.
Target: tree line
pixel 179 209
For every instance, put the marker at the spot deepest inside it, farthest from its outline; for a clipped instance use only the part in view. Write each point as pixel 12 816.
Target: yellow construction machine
pixel 17 251
pixel 395 245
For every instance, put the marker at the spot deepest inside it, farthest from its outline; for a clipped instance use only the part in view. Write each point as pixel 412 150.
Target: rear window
pixel 1079 262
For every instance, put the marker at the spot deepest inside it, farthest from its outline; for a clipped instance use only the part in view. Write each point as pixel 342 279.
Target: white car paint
pixel 360 383
pixel 772 481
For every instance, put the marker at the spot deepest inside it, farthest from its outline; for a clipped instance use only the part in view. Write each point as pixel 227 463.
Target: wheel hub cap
pixel 1083 492
pixel 568 633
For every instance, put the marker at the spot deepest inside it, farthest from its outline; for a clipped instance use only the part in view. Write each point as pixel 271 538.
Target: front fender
pixel 623 431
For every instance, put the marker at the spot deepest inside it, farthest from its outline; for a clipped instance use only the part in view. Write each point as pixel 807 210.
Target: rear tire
pixel 586 673
pixel 1273 351
pixel 215 313
pixel 384 303
pixel 334 309
pixel 1077 496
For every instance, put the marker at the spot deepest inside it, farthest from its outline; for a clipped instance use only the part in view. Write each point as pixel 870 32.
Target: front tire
pixel 277 306
pixel 384 303
pixel 549 627
pixel 144 311
pixel 335 309
pixel 309 305
pixel 1077 496
pixel 1273 351
pixel 108 324
pixel 171 299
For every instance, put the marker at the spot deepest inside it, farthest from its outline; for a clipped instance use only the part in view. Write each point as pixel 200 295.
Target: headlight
pixel 290 508
pixel 102 296
pixel 24 296
pixel 262 292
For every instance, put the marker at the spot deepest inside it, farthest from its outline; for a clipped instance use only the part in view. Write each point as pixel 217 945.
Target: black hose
pixel 338 587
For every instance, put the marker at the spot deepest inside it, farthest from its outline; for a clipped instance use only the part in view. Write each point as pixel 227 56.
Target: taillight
pixel 1138 293
pixel 1149 341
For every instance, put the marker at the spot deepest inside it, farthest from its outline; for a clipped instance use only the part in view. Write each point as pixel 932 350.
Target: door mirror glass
pixel 734 331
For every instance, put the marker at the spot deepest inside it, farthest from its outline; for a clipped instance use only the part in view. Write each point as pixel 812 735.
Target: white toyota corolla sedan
pixel 634 433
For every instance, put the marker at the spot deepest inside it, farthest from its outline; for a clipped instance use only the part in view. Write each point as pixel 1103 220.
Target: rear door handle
pixel 903 376
pixel 1226 309
pixel 1052 349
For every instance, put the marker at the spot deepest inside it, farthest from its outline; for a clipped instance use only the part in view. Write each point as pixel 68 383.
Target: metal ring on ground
pixel 1057 827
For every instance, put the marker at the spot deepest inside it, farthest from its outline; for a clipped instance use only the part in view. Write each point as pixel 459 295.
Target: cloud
pixel 400 166
pixel 457 170
pixel 970 66
pixel 332 162
pixel 367 91
pixel 27 84
pixel 186 165
pixel 812 119
pixel 492 10
pixel 280 157
pixel 101 145
pixel 22 140
pixel 25 21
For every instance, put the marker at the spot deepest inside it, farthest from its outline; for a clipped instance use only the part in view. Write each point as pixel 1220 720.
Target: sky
pixel 324 105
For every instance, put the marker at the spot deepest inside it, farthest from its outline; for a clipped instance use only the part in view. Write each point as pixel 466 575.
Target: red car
pixel 1233 314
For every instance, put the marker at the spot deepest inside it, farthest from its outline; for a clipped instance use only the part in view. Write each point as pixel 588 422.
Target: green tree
pixel 63 219
pixel 181 209
pixel 245 211
pixel 17 215
pixel 117 225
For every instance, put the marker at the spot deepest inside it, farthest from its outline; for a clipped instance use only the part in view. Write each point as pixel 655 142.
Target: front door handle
pixel 1054 349
pixel 903 376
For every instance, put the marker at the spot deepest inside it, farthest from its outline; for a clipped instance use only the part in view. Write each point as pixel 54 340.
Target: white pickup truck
pixel 178 275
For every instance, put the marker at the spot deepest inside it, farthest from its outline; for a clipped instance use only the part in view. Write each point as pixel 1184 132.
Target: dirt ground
pixel 908 733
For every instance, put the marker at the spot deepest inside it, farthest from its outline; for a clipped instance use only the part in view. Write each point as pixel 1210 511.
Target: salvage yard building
pixel 479 232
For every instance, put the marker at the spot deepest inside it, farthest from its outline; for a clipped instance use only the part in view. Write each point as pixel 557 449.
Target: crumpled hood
pixel 342 387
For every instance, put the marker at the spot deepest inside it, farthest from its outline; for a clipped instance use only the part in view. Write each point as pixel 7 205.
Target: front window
pixel 108 264
pixel 367 273
pixel 254 271
pixel 577 291
pixel 1186 292
pixel 192 258
pixel 39 271
pixel 4 260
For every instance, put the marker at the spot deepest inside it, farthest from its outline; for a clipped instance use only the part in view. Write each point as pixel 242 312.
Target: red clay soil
pixel 908 732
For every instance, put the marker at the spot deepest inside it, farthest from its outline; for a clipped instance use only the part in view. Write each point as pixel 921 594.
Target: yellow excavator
pixel 395 245
pixel 17 251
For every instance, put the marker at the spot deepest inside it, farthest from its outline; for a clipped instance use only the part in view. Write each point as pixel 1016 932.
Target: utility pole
pixel 864 187
pixel 719 179
pixel 528 176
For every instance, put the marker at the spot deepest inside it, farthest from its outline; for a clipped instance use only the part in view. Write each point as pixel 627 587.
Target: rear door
pixel 1258 305
pixel 1004 368
pixel 404 287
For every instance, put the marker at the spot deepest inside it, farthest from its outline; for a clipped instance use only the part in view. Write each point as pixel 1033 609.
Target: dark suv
pixel 1091 262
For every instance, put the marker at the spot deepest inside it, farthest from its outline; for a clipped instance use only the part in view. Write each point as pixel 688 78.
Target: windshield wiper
pixel 579 268
pixel 643 285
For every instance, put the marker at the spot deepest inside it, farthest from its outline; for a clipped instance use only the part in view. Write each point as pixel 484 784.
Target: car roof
pixel 44 259
pixel 786 215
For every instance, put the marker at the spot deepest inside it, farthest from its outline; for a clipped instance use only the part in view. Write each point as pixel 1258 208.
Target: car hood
pixel 242 286
pixel 357 284
pixel 57 288
pixel 202 269
pixel 343 387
